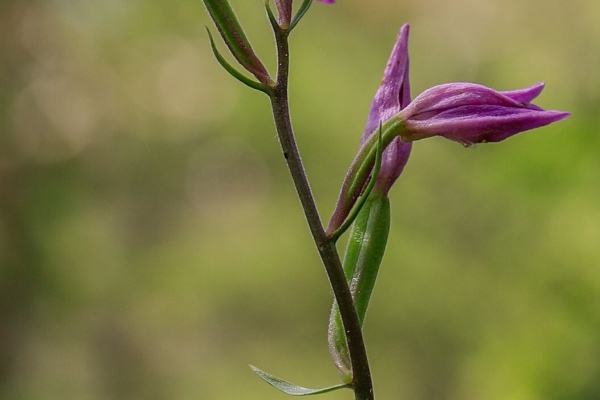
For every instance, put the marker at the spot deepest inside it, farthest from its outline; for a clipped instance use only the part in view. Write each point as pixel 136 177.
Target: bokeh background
pixel 151 244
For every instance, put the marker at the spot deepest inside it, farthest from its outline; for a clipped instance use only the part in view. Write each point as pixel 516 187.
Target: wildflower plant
pixel 467 113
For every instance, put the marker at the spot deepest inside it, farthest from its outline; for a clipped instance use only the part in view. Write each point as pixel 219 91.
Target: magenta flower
pixel 470 113
pixel 391 97
pixel 327 1
pixel 464 112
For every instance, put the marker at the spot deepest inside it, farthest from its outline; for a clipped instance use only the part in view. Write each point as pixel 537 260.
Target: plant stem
pixel 362 384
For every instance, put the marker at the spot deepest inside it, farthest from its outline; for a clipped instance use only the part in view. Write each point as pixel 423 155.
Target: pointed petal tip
pixel 403 33
pixel 526 95
pixel 537 88
pixel 560 115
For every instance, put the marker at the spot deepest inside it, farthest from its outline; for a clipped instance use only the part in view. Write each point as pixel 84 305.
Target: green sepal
pixel 271 16
pixel 361 201
pixel 360 171
pixel 366 247
pixel 232 71
pixel 364 161
pixel 301 11
pixel 290 388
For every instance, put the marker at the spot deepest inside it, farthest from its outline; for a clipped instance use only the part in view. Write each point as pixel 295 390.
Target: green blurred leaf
pixel 303 9
pixel 290 388
pixel 232 71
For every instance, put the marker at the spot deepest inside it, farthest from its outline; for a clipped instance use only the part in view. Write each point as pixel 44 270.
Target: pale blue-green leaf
pixel 290 388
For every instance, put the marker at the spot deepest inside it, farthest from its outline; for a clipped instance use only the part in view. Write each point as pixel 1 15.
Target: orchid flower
pixel 470 113
pixel 370 230
pixel 392 96
pixel 467 113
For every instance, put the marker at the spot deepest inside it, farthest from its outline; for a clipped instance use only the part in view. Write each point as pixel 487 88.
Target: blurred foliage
pixel 151 245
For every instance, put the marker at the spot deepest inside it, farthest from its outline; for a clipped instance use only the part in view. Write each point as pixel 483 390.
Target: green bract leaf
pixel 290 388
pixel 232 71
pixel 271 16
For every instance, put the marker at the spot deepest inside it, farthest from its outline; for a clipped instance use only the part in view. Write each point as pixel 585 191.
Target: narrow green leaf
pixel 301 11
pixel 232 71
pixel 364 253
pixel 366 248
pixel 272 19
pixel 290 388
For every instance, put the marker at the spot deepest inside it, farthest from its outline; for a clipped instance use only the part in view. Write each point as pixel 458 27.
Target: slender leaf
pixel 232 71
pixel 290 388
pixel 272 19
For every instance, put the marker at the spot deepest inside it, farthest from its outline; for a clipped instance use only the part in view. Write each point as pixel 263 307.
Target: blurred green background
pixel 151 244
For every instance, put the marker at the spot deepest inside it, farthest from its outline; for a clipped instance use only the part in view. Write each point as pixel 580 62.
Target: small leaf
pixel 232 71
pixel 271 17
pixel 290 388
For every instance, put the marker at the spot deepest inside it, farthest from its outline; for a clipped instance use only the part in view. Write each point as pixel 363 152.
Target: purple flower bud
pixel 327 1
pixel 284 9
pixel 232 33
pixel 470 113
pixel 391 97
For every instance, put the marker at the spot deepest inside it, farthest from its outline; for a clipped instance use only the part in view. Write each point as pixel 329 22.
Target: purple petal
pixel 391 97
pixel 480 124
pixel 470 113
pixel 526 95
pixel 394 159
pixel 394 92
pixel 451 95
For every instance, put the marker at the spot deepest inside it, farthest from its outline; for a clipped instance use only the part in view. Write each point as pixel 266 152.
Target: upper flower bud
pixel 391 97
pixel 284 9
pixel 469 113
pixel 232 33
